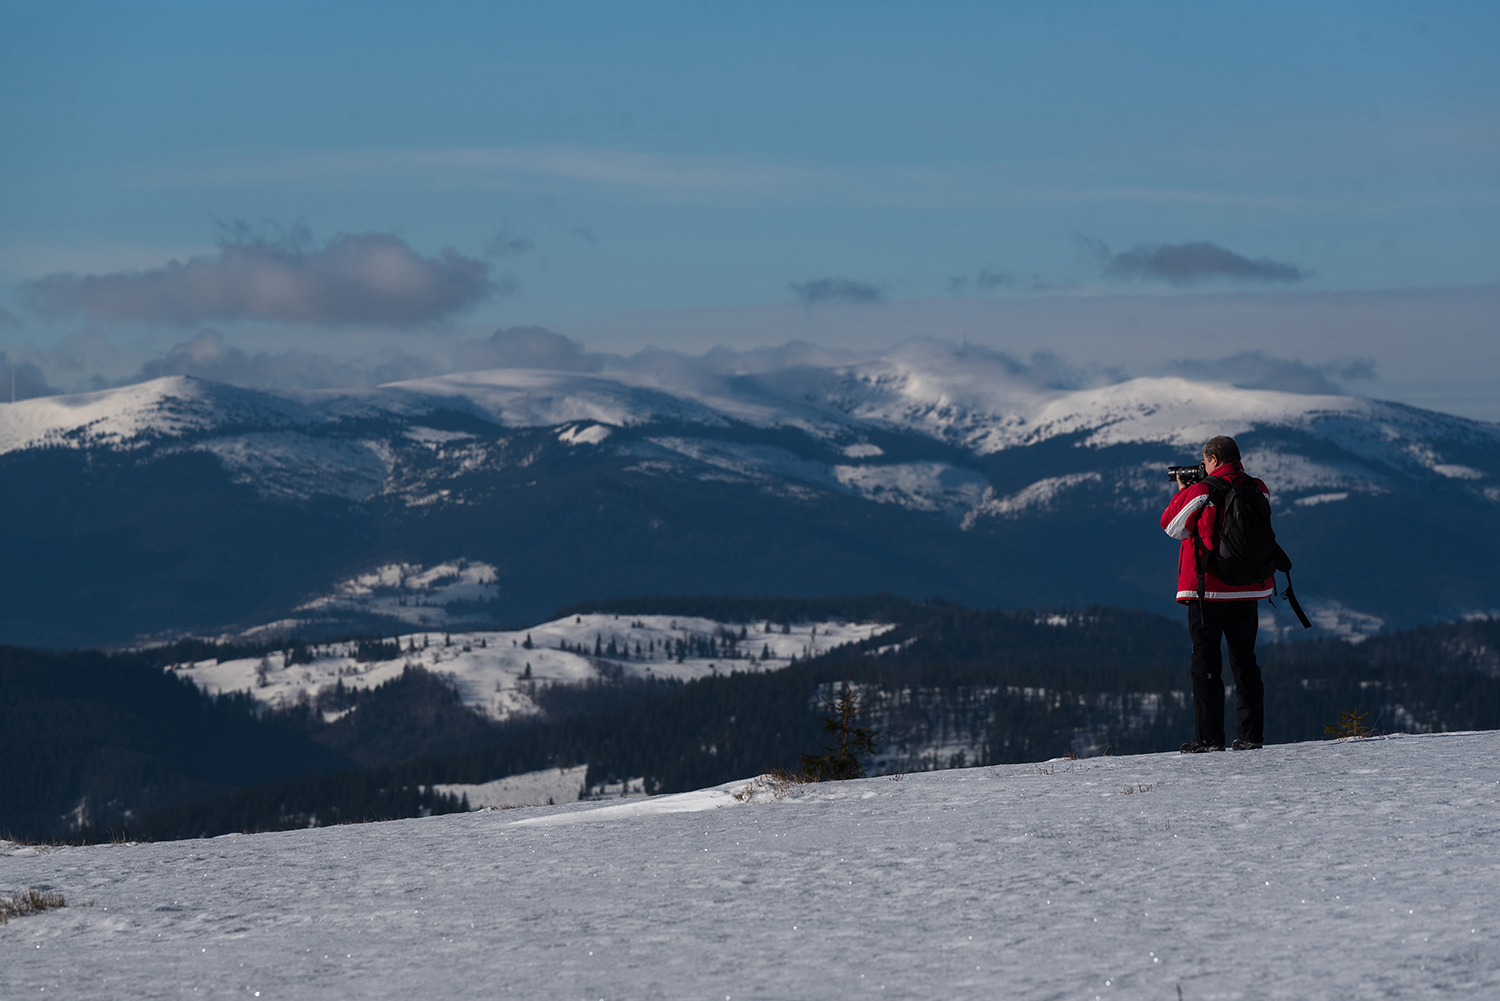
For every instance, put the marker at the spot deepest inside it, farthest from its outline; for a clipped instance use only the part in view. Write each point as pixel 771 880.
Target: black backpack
pixel 1245 550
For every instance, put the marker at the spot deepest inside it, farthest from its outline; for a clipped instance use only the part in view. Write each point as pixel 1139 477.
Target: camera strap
pixel 1291 599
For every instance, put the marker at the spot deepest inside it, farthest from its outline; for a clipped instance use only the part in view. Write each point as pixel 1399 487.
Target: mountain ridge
pixel 929 472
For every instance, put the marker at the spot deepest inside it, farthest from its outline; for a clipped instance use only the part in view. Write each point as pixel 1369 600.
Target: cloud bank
pixel 1257 370
pixel 814 291
pixel 1189 263
pixel 209 356
pixel 526 347
pixel 90 362
pixel 368 278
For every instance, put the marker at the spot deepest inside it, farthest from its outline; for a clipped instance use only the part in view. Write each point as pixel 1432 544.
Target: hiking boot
pixel 1247 745
pixel 1200 746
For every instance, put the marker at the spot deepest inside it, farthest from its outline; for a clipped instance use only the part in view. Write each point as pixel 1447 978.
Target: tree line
pixel 999 686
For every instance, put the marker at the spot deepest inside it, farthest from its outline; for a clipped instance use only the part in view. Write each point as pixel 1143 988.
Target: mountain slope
pixel 181 505
pixel 91 739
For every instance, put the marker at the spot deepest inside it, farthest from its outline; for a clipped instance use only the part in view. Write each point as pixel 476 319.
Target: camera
pixel 1187 475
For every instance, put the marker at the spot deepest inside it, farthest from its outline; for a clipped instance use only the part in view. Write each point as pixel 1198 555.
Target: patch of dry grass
pixel 18 905
pixel 44 843
pixel 778 783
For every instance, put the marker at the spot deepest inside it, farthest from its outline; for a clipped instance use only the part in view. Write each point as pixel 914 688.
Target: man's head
pixel 1220 450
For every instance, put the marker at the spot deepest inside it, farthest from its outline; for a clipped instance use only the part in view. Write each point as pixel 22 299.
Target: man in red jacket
pixel 1224 612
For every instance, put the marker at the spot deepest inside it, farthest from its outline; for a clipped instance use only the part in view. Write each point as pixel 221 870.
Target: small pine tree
pixel 527 673
pixel 842 761
pixel 527 644
pixel 1351 723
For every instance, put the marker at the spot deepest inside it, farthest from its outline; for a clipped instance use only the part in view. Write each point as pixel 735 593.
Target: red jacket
pixel 1190 512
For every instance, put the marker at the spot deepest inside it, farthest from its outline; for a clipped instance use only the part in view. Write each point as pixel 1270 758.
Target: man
pixel 1218 611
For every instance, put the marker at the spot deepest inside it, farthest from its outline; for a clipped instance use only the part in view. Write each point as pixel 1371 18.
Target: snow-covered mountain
pixel 1360 868
pixel 933 470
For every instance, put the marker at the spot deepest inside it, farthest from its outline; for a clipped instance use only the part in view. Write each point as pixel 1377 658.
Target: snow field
pixel 1353 869
pixel 554 785
pixel 410 593
pixel 490 668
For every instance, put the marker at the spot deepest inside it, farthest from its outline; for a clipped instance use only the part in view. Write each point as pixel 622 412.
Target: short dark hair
pixel 1223 448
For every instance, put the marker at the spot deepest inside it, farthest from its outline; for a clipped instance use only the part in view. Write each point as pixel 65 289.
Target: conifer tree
pixel 850 742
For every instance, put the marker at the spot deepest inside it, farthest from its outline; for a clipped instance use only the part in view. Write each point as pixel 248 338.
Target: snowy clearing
pixel 553 785
pixel 496 672
pixel 1324 870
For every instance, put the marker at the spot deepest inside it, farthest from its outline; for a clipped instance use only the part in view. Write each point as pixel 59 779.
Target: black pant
pixel 1236 622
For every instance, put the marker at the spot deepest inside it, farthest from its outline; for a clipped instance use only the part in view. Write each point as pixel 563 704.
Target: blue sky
pixel 689 175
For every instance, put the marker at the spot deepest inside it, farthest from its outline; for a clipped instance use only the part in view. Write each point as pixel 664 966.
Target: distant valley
pixel 643 696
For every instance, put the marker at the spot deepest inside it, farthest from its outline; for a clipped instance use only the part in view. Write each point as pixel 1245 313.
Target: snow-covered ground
pixel 496 672
pixel 1358 869
pixel 554 785
pixel 409 593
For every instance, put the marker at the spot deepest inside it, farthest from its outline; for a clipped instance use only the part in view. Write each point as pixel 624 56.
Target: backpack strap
pixel 1216 488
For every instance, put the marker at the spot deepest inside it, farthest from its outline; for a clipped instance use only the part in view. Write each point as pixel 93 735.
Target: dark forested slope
pixel 91 738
